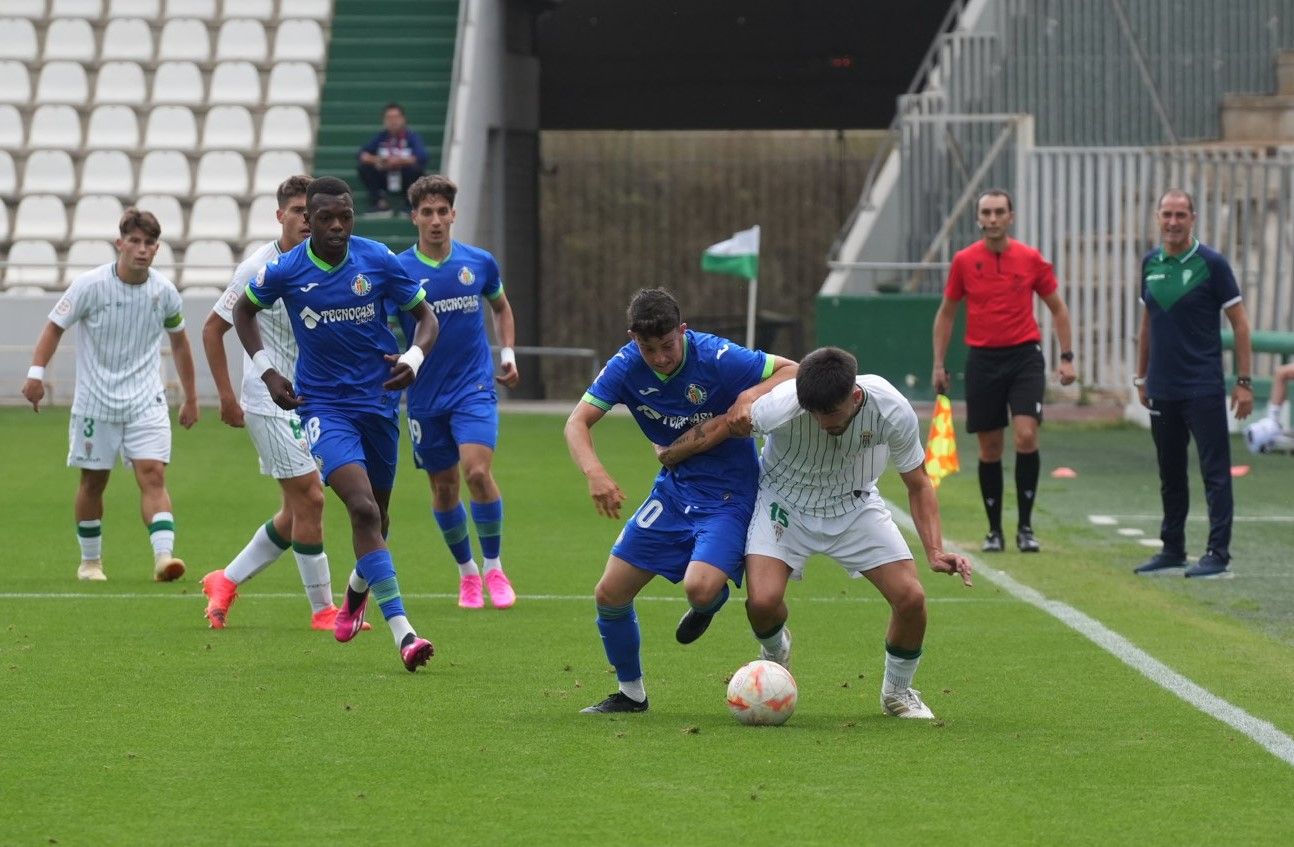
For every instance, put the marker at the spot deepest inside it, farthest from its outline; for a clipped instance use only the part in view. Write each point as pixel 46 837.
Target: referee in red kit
pixel 998 276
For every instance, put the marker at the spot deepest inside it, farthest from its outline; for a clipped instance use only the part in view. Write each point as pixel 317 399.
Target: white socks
pixel 90 535
pixel 774 643
pixel 492 565
pixel 161 532
pixel 259 554
pixel 358 583
pixel 898 673
pixel 399 628
pixel 634 690
pixel 468 568
pixel 315 578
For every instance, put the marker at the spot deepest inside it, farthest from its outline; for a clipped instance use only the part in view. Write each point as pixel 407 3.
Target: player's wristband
pixel 413 358
pixel 507 357
pixel 261 360
pixel 36 372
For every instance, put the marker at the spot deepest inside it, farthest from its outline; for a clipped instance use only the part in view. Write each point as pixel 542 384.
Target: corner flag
pixel 738 256
pixel 941 448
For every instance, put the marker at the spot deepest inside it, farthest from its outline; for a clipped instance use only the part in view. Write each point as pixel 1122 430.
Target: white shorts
pixel 94 444
pixel 859 540
pixel 281 446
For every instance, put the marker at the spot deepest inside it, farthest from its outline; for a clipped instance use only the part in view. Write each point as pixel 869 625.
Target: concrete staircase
pixel 1263 118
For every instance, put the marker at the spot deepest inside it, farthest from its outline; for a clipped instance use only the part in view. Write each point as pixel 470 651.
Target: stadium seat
pixel 146 9
pixel 184 39
pixel 262 225
pixel 228 128
pixel 4 222
pixel 216 216
pixel 164 261
pixel 11 128
pixel 165 172
pixel 221 172
pixel 208 263
pixel 317 9
pixel 54 127
pixel 292 83
pixel 112 128
pixel 87 255
pixel 286 128
pixel 70 39
pixel 241 39
pixel 120 82
pixel 171 128
pixel 262 10
pixel 127 38
pixel 92 9
pixel 49 172
pixel 31 9
pixel 96 216
pixel 62 82
pixel 235 83
pixel 18 39
pixel 8 182
pixel 32 262
pixel 167 210
pixel 299 41
pixel 251 247
pixel 273 167
pixel 15 82
pixel 204 9
pixel 40 216
pixel 108 172
pixel 178 83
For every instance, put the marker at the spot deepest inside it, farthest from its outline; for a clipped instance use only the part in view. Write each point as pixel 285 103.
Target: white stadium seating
pixel 112 128
pixel 108 172
pixel 177 83
pixel 96 216
pixel 71 39
pixel 235 83
pixel 299 41
pixel 62 82
pixel 8 180
pixel 242 39
pixel 164 261
pixel 18 39
pixel 273 167
pixel 171 128
pixel 76 9
pixel 49 172
pixel 262 225
pixel 260 9
pixel 185 39
pixel 228 128
pixel 216 216
pixel 85 255
pixel 207 263
pixel 317 9
pixel 15 82
pixel 292 84
pixel 221 172
pixel 12 131
pixel 121 82
pixel 38 257
pixel 40 216
pixel 128 38
pixel 57 127
pixel 165 172
pixel 33 9
pixel 168 212
pixel 286 128
pixel 146 9
pixel 203 9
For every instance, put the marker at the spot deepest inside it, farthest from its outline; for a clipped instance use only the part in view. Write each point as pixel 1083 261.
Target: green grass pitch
pixel 127 721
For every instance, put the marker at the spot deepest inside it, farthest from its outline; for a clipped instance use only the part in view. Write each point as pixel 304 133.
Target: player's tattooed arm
pixel 698 439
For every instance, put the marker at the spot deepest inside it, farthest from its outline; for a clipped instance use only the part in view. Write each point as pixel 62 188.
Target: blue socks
pixel 621 640
pixel 378 570
pixel 453 525
pixel 488 518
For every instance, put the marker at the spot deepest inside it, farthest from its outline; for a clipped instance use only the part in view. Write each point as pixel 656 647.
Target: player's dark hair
pixel 996 192
pixel 330 185
pixel 653 313
pixel 432 185
pixel 825 379
pixel 145 222
pixel 1177 192
pixel 293 186
pixel 393 105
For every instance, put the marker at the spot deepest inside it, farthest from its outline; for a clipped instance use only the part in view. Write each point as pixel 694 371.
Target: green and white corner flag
pixel 738 256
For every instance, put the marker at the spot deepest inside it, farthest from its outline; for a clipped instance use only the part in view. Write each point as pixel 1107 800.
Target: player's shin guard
pixel 488 518
pixel 621 640
pixel 312 563
pixel 453 526
pixel 900 667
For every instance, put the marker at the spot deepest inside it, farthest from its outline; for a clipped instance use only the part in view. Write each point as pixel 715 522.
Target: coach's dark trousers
pixel 1172 423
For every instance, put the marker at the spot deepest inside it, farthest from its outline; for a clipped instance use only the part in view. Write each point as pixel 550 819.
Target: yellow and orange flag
pixel 941 447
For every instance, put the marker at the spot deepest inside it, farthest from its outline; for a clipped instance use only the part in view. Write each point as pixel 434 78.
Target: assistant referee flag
pixel 941 448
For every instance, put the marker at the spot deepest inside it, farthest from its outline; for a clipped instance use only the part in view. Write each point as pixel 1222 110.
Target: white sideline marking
pixel 582 598
pixel 1150 542
pixel 1103 520
pixel 1111 520
pixel 1131 531
pixel 1262 732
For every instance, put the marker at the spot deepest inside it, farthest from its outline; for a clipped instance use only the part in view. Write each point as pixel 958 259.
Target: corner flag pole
pixel 752 287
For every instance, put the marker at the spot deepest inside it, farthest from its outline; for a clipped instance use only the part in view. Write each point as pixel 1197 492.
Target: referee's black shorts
pixel 1002 382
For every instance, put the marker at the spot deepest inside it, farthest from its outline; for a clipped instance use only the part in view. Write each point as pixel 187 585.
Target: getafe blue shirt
pixel 459 367
pixel 714 371
pixel 1183 296
pixel 339 320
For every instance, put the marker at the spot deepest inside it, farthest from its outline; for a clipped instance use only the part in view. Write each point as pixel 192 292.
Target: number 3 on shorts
pixel 312 431
pixel 88 430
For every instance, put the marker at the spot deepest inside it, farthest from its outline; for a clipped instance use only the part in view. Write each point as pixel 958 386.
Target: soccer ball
pixel 762 693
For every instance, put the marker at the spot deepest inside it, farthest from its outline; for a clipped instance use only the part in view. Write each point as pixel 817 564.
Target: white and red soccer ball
pixel 762 693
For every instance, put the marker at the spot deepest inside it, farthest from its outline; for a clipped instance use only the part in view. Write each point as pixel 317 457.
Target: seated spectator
pixel 391 160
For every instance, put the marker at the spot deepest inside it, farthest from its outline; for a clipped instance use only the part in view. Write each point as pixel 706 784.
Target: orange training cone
pixel 941 447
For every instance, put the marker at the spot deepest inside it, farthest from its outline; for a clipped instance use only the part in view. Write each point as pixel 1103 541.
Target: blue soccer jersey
pixel 339 319
pixel 713 373
pixel 459 368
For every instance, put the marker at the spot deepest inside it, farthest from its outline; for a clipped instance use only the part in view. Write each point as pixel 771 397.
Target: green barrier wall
pixel 890 335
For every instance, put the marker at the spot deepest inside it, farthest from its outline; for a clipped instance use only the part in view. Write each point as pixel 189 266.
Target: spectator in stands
pixel 1184 284
pixel 391 160
pixel 122 310
pixel 1005 373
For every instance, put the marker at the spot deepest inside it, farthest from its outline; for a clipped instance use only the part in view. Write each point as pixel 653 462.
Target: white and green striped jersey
pixel 830 475
pixel 120 326
pixel 276 332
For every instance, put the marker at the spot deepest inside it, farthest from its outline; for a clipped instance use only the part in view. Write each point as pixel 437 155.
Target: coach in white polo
pixel 119 406
pixel 827 438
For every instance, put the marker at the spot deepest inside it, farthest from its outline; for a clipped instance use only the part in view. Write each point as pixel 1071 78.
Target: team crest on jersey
pixel 466 276
pixel 260 278
pixel 360 285
pixel 64 307
pixel 866 438
pixel 696 394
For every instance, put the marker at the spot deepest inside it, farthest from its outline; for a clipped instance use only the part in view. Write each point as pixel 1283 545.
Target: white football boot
pixel 905 704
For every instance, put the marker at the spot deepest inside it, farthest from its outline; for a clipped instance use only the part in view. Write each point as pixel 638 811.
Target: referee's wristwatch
pixel 1067 355
pixel 1245 382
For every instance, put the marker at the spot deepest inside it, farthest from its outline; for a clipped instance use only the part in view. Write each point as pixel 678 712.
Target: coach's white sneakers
pixel 905 704
pixel 91 570
pixel 167 568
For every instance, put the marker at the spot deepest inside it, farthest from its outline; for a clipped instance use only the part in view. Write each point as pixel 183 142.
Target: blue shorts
pixel 371 439
pixel 436 436
pixel 663 537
